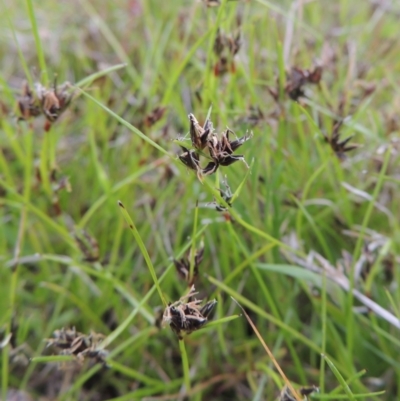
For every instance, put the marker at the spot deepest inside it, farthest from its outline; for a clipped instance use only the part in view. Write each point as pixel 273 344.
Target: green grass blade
pixel 38 43
pixel 339 377
pixel 126 124
pixel 143 249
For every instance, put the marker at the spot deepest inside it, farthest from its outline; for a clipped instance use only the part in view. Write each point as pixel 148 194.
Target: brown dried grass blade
pixel 274 361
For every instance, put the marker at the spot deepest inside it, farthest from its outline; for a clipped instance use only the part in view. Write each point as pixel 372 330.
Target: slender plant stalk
pixel 193 247
pixel 185 365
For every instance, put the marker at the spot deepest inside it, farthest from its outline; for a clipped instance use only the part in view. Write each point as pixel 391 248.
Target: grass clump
pixel 306 239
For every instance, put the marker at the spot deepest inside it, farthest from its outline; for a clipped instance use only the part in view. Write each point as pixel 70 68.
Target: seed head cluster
pixel 220 148
pixel 51 102
pixel 187 314
pixel 72 342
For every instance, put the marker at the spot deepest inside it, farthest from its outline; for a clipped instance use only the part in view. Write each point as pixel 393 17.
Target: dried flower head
pixel 183 266
pixel 154 116
pixel 225 48
pixel 186 315
pixel 71 342
pixel 340 147
pixel 296 79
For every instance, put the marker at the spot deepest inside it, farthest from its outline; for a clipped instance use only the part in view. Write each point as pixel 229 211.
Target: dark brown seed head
pixel 185 315
pixel 27 103
pixel 340 147
pixel 154 116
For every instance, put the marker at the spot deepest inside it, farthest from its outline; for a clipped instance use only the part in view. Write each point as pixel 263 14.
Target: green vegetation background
pixel 298 205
